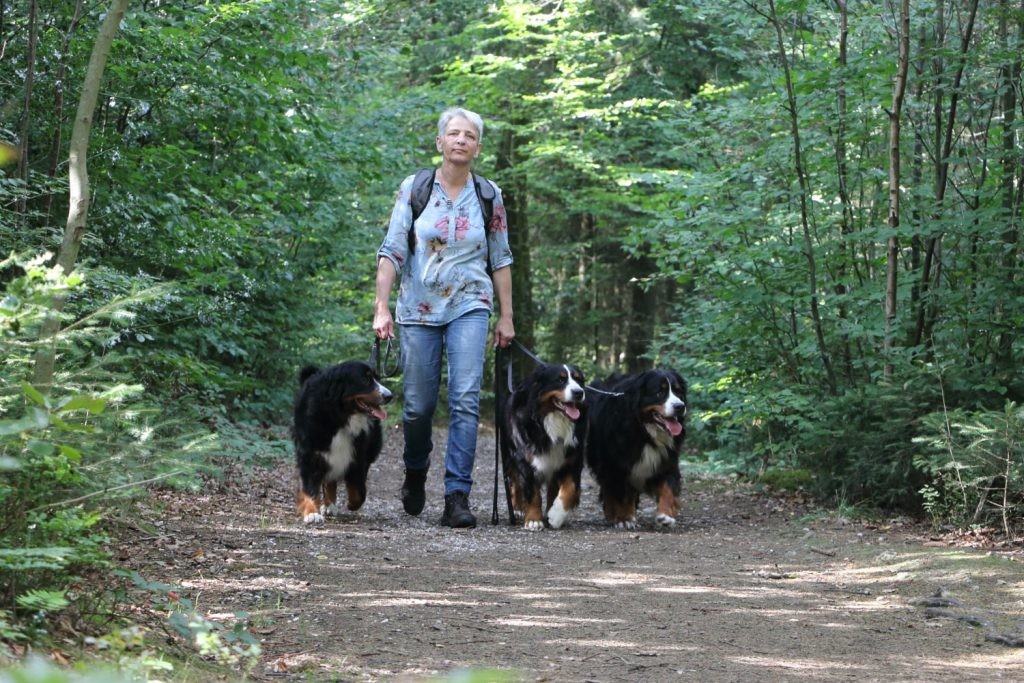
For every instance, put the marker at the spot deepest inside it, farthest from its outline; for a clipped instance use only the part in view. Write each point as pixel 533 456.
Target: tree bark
pixel 58 104
pixel 842 172
pixel 805 191
pixel 922 331
pixel 78 184
pixel 1011 163
pixel 515 198
pixel 26 114
pixel 891 263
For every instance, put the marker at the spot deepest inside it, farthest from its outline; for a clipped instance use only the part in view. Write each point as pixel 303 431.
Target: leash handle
pixel 380 363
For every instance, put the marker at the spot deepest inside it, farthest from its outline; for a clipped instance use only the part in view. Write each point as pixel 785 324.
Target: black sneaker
pixel 412 494
pixel 456 511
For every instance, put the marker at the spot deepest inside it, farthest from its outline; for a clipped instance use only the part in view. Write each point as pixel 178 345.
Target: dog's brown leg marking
pixel 668 504
pixel 330 493
pixel 517 504
pixel 533 512
pixel 616 511
pixel 567 492
pixel 307 505
pixel 356 496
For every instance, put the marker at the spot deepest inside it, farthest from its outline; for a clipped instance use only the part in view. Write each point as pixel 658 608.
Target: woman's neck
pixel 453 178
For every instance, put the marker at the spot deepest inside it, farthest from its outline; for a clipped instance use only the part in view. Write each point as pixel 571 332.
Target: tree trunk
pixel 641 318
pixel 26 114
pixel 805 191
pixel 1010 76
pixel 78 184
pixel 846 224
pixel 898 91
pixel 922 331
pixel 515 197
pixel 58 105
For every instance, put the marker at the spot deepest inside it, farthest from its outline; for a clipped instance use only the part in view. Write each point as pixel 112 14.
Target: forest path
pixel 745 587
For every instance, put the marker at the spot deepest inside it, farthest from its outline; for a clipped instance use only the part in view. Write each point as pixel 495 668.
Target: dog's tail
pixel 307 372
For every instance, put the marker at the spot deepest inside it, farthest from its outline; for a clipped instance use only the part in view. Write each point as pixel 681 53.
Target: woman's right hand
pixel 383 323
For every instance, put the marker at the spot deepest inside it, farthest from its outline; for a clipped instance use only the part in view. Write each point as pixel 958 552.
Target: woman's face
pixel 460 143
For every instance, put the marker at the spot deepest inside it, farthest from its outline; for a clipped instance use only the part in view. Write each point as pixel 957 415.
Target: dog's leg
pixel 330 504
pixel 309 505
pixel 668 505
pixel 620 513
pixel 563 500
pixel 356 494
pixel 533 513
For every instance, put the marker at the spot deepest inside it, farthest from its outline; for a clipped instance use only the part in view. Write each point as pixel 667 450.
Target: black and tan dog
pixel 542 436
pixel 636 431
pixel 338 435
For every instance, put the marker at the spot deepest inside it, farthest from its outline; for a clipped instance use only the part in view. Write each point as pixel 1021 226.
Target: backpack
pixel 423 185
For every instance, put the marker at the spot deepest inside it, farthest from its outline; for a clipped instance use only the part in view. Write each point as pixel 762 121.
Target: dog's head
pixel 558 388
pixel 660 398
pixel 354 383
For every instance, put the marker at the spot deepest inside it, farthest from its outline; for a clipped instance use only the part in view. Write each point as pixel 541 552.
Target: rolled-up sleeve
pixel 395 246
pixel 497 234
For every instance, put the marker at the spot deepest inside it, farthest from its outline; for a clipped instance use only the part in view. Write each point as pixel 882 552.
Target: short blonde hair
pixel 452 112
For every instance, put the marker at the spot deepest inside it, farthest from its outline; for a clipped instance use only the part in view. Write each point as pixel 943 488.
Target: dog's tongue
pixel 673 426
pixel 378 413
pixel 571 411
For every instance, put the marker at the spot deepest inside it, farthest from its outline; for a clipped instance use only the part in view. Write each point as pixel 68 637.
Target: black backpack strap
pixel 419 195
pixel 484 195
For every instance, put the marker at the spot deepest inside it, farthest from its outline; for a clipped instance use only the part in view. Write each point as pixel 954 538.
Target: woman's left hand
pixel 504 332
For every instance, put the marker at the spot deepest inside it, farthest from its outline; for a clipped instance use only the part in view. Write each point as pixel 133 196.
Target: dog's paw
pixel 626 523
pixel 533 525
pixel 665 520
pixel 313 518
pixel 557 515
pixel 331 510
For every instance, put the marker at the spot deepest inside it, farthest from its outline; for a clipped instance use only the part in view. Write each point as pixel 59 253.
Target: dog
pixel 636 428
pixel 543 428
pixel 337 434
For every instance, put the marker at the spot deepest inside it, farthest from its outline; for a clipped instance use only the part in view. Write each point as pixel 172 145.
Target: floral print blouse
pixel 446 275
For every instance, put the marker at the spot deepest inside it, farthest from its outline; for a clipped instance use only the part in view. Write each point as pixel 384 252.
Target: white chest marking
pixel 559 429
pixel 341 454
pixel 651 457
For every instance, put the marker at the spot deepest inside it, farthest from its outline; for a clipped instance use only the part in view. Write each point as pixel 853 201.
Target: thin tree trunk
pixel 1011 162
pixel 812 276
pixel 922 330
pixel 846 224
pixel 642 314
pixel 898 91
pixel 515 198
pixel 58 104
pixel 78 184
pixel 26 114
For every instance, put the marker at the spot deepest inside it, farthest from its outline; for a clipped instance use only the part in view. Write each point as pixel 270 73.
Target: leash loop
pixel 382 364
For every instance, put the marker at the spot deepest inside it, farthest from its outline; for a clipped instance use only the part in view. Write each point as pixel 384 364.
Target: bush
pixel 974 461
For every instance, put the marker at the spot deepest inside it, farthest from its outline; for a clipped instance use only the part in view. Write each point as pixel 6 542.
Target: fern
pixel 43 600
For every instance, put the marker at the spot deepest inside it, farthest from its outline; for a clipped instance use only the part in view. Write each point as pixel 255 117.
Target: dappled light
pixel 765 599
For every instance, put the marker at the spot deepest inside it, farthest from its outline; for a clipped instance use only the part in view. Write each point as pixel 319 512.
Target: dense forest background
pixel 811 209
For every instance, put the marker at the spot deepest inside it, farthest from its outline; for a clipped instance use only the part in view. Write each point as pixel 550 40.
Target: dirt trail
pixel 745 588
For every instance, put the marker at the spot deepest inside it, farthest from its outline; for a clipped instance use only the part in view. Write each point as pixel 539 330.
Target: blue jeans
pixel 464 341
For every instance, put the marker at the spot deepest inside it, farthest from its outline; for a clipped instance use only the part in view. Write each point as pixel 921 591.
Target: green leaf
pixel 34 394
pixel 72 454
pixel 94 406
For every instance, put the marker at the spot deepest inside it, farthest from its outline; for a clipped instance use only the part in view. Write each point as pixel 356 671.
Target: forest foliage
pixel 698 184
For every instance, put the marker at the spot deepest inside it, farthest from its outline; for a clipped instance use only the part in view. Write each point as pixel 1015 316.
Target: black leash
pixel 498 403
pixel 532 355
pixel 380 363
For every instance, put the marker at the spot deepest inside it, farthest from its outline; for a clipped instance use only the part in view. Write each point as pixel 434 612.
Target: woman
pixel 453 267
